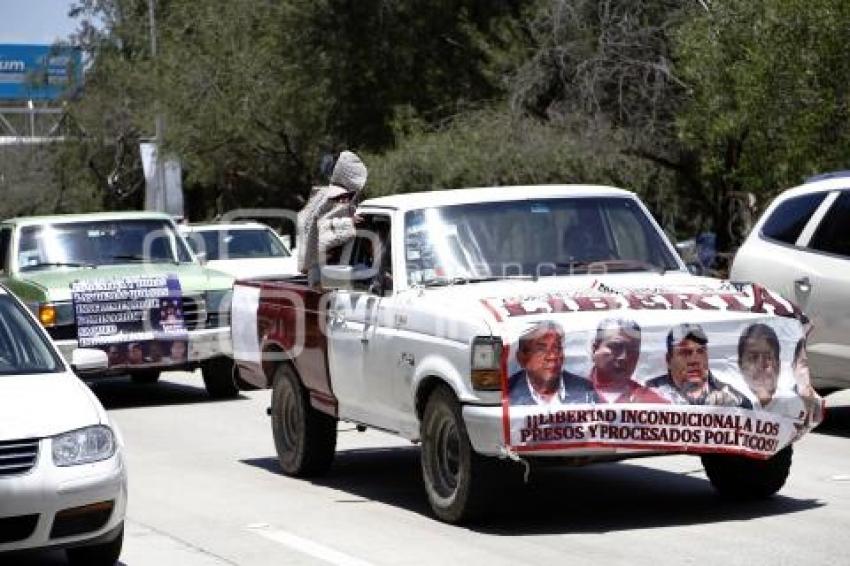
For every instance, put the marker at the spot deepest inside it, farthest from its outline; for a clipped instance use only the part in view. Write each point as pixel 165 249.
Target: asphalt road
pixel 205 490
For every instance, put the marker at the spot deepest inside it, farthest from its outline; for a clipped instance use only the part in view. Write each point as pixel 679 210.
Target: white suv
pixel 800 247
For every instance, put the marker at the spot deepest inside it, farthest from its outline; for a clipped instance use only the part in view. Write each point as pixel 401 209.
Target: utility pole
pixel 158 123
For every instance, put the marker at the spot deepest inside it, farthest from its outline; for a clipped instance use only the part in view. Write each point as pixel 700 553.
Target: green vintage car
pixel 127 283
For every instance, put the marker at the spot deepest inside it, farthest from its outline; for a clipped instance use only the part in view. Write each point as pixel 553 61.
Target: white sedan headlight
pixel 83 446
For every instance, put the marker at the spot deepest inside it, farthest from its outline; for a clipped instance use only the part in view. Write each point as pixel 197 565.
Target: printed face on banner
pixel 759 359
pixel 687 363
pixel 615 352
pixel 541 355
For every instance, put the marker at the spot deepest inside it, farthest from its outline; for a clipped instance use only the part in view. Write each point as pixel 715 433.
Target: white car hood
pixel 37 406
pixel 255 267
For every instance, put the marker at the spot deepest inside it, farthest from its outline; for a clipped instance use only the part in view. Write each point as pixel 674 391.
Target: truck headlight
pixel 83 446
pixel 486 363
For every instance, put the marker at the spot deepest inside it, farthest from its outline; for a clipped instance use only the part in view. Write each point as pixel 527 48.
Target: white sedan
pixel 242 250
pixel 801 248
pixel 63 481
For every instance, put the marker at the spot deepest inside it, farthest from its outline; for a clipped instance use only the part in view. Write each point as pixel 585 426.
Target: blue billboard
pixel 38 72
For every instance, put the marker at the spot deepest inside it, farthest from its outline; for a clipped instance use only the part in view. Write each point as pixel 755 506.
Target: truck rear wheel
pixel 739 477
pixel 305 439
pixel 456 477
pixel 218 378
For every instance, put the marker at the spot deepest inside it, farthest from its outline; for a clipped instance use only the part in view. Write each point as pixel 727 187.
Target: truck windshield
pixel 23 349
pixel 531 238
pixel 93 243
pixel 237 244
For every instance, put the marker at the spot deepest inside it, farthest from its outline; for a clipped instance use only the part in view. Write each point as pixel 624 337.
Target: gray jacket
pixel 321 226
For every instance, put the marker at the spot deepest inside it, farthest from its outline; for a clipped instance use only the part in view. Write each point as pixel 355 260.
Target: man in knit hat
pixel 328 221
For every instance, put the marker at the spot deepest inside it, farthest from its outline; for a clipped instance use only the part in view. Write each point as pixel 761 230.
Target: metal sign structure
pixel 38 72
pixel 33 81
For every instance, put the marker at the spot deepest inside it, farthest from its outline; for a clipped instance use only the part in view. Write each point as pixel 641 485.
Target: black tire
pixel 241 384
pixel 742 478
pixel 145 376
pixel 305 439
pixel 218 378
pixel 103 554
pixel 457 479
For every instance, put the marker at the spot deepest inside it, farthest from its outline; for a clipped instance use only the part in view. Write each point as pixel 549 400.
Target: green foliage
pixel 43 179
pixel 255 93
pixel 686 102
pixel 491 147
pixel 768 83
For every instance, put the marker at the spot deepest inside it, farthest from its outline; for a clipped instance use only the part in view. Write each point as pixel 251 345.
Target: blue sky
pixel 35 21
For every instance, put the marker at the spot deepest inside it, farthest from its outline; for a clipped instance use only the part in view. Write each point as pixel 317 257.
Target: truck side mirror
pixel 335 276
pixel 346 277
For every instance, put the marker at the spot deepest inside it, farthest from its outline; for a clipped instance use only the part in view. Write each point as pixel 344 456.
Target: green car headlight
pixel 53 314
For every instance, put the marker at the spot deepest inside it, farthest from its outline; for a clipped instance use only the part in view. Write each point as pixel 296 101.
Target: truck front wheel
pixel 218 378
pixel 455 475
pixel 305 439
pixel 739 477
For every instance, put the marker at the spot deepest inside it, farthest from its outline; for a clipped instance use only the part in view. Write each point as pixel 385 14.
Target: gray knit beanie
pixel 349 172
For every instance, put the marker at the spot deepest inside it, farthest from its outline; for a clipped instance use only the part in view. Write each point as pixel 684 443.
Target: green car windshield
pixel 92 243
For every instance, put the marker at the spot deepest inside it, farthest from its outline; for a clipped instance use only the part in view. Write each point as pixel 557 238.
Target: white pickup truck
pixel 522 323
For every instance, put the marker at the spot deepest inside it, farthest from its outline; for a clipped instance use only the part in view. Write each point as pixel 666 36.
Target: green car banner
pixel 137 320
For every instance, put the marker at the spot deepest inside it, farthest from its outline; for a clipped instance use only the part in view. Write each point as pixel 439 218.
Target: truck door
pixel 359 328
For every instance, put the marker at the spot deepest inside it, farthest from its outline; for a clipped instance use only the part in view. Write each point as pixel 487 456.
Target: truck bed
pixel 289 318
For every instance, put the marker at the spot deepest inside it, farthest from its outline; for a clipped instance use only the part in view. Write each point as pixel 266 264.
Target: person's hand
pixel 723 397
pixel 813 404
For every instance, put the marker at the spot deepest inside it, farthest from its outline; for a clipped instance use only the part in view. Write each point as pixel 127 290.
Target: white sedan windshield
pixel 237 244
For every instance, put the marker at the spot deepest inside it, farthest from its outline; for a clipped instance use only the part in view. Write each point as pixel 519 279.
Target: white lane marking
pixel 306 546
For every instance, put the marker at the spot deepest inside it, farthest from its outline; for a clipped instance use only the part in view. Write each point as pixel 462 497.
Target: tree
pixel 611 66
pixel 492 146
pixel 255 93
pixel 769 101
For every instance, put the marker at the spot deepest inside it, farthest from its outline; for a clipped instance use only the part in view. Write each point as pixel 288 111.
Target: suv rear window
pixel 790 217
pixel 833 234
